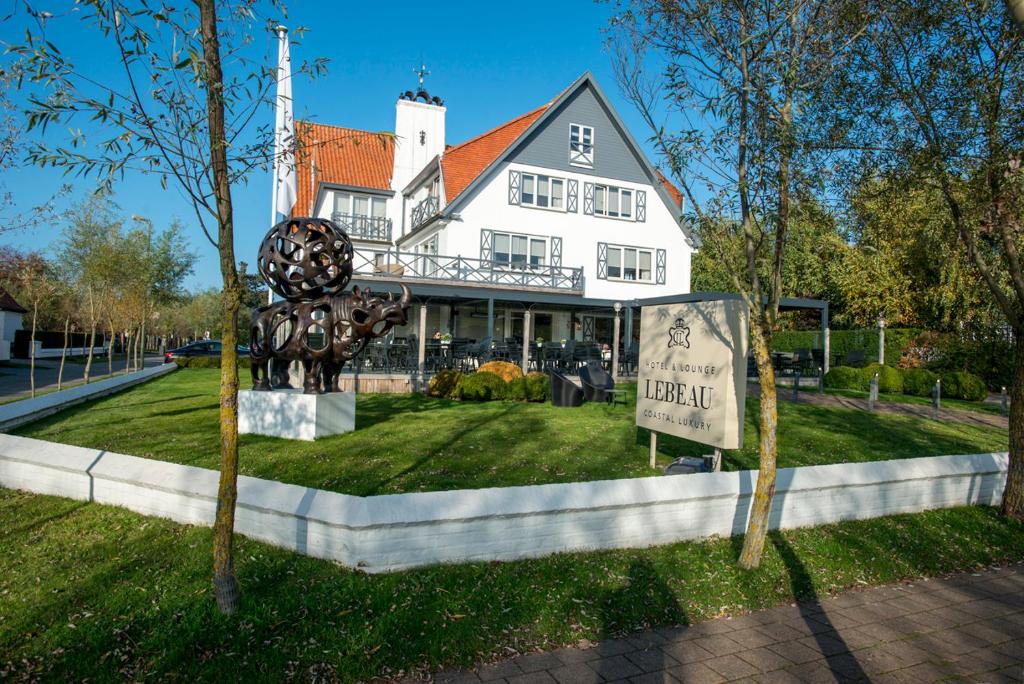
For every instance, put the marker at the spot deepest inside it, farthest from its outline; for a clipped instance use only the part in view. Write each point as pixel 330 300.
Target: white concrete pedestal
pixel 293 415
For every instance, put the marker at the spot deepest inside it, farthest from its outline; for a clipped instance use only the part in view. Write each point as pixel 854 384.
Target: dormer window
pixel 581 145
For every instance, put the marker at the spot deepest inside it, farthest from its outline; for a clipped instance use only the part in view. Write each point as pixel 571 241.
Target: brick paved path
pixel 967 627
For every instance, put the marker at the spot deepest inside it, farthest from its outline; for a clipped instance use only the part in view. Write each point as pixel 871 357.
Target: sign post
pixel 692 379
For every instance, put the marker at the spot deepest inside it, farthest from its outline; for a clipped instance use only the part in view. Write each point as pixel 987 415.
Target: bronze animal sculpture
pixel 308 261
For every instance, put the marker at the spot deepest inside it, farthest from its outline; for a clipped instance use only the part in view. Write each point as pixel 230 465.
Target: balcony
pixel 406 266
pixel 424 211
pixel 376 228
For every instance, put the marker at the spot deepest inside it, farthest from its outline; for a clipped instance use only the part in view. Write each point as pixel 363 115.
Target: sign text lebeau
pixel 693 363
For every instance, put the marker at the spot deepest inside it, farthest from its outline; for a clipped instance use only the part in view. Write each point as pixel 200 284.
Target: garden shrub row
pixel 989 357
pixel 912 381
pixel 488 385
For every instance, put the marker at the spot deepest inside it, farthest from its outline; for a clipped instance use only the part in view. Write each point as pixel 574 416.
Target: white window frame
pixel 530 239
pixel 349 208
pixel 607 192
pixel 621 250
pixel 536 186
pixel 579 157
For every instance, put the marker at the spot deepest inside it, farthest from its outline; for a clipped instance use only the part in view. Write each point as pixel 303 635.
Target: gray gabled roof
pixel 587 78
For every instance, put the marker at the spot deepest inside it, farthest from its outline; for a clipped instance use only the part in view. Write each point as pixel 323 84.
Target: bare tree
pixel 727 110
pixel 181 118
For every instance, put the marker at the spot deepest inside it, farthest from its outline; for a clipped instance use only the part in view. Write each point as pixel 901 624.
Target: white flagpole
pixel 281 74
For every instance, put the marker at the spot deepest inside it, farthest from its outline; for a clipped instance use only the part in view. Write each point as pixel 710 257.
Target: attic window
pixel 581 145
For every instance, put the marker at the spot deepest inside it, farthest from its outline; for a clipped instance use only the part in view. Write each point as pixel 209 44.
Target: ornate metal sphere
pixel 304 258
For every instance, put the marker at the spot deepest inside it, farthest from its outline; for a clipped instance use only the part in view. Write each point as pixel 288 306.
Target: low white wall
pixel 394 532
pixel 72 351
pixel 26 410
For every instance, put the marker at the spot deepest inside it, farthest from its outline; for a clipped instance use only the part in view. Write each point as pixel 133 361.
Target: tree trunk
pixel 1013 495
pixel 225 584
pixel 92 337
pixel 128 339
pixel 757 527
pixel 63 354
pixel 110 348
pixel 32 352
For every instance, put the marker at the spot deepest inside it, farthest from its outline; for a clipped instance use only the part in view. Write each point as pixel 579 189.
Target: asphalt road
pixel 14 379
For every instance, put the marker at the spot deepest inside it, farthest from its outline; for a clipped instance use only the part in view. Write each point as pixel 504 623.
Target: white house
pixel 557 212
pixel 10 322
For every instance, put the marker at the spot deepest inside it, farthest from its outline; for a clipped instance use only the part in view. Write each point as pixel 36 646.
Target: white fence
pixel 25 410
pixel 393 532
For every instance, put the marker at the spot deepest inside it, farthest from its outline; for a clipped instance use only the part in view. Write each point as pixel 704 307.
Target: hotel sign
pixel 693 371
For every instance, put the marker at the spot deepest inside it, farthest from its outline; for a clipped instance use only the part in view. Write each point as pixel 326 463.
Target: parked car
pixel 200 348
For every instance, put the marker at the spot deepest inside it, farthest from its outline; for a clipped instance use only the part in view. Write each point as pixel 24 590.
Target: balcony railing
pixel 364 227
pixel 424 211
pixel 407 265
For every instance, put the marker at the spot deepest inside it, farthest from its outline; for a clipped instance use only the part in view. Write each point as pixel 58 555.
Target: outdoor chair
pixel 804 361
pixel 552 354
pixel 564 391
pixel 598 385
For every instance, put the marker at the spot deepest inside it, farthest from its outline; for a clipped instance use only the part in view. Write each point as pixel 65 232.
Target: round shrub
pixel 963 385
pixel 890 380
pixel 538 387
pixel 444 384
pixel 843 377
pixel 481 387
pixel 516 389
pixel 918 382
pixel 503 369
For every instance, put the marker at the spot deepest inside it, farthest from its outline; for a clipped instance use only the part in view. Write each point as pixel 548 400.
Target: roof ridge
pixel 497 128
pixel 343 128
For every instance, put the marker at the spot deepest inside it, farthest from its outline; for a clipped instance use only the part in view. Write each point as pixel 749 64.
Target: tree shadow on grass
pixel 629 608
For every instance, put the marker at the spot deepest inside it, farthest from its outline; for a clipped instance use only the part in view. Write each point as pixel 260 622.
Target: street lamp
pixel 881 340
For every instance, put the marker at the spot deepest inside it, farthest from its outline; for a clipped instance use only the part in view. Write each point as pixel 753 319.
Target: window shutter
pixel 588 199
pixel 660 267
pixel 485 245
pixel 556 252
pixel 513 187
pixel 641 205
pixel 570 202
pixel 602 261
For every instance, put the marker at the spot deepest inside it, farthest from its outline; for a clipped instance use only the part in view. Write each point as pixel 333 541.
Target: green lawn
pixel 100 593
pixel 409 443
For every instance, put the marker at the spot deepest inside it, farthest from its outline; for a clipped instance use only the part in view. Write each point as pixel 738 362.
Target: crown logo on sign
pixel 679 334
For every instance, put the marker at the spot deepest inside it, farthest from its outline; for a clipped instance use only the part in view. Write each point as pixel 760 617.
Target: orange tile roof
pixel 461 164
pixel 345 156
pixel 673 191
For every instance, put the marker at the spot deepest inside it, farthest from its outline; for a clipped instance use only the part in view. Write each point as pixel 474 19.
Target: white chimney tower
pixel 419 132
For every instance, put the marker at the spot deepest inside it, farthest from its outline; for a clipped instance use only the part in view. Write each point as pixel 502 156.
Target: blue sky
pixel 489 61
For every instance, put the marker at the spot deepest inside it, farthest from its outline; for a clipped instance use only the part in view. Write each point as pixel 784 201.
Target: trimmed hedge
pixel 517 389
pixel 844 377
pixel 444 384
pixel 919 382
pixel 963 385
pixel 503 369
pixel 209 362
pixel 481 386
pixel 843 341
pixel 538 387
pixel 890 380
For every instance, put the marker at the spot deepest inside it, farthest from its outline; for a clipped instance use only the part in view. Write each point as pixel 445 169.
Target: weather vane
pixel 421 72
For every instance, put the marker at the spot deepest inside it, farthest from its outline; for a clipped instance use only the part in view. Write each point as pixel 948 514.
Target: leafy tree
pixel 749 69
pixel 937 91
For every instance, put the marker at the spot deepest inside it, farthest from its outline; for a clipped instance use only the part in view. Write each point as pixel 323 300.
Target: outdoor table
pixel 616 396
